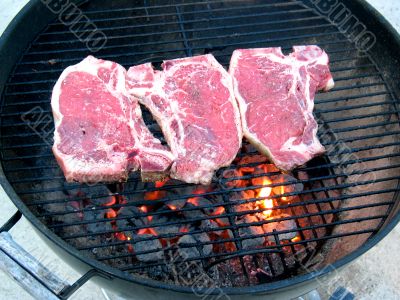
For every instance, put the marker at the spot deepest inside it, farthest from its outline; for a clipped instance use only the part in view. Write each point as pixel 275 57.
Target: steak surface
pixel 192 100
pixel 100 135
pixel 276 100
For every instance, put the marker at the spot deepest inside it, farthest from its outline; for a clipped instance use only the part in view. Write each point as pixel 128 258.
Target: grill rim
pixel 363 8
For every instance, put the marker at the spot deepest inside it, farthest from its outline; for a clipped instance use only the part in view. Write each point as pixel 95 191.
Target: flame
pixel 267 204
pixel 282 192
pixel 265 191
pixel 296 239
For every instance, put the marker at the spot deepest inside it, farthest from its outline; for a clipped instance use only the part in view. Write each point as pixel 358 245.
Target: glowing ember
pixel 171 206
pixel 184 229
pixel 296 239
pixel 155 195
pixel 113 200
pixel 282 192
pixel 147 231
pixel 218 211
pixel 194 200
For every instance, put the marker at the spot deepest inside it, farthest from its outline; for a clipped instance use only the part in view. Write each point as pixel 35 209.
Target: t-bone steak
pixel 192 100
pixel 100 135
pixel 276 100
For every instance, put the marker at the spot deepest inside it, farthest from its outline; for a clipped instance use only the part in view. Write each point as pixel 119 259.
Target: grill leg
pixel 30 274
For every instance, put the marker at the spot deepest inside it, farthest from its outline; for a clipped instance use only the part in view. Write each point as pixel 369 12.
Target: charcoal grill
pixel 350 198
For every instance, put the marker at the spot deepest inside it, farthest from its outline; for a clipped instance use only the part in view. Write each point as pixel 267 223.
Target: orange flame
pixel 267 204
pixel 282 192
pixel 296 239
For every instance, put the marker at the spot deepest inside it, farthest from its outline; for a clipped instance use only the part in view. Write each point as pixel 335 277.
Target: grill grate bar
pixel 226 215
pixel 338 130
pixel 352 150
pixel 353 97
pixel 201 47
pixel 231 227
pixel 329 165
pixel 46 101
pixel 108 18
pixel 266 249
pixel 48 153
pixel 322 166
pixel 242 201
pixel 236 17
pixel 48 91
pixel 209 2
pixel 351 107
pixel 181 22
pixel 325 43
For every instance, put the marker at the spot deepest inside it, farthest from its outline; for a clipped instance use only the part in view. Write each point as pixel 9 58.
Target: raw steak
pixel 193 102
pixel 276 100
pixel 99 134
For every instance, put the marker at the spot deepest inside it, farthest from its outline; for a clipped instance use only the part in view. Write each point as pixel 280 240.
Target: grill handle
pixel 29 273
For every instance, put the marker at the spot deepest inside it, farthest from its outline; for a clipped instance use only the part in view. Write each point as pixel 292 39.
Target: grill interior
pixel 348 194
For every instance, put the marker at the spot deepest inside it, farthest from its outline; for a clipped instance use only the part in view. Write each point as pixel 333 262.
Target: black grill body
pixel 361 112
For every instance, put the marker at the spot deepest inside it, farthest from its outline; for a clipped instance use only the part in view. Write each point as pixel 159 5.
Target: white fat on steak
pixel 193 102
pixel 100 135
pixel 276 94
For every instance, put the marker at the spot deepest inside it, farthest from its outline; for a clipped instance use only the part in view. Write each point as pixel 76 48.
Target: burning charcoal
pixel 208 224
pixel 243 195
pixel 234 173
pixel 262 169
pixel 253 159
pixel 132 217
pixel 192 214
pixel 176 204
pixel 249 231
pixel 290 188
pixel 93 216
pixel 197 240
pixel 196 202
pixel 281 226
pixel 139 246
pixel 167 229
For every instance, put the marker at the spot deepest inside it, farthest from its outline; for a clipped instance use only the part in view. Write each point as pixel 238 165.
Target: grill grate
pixel 358 118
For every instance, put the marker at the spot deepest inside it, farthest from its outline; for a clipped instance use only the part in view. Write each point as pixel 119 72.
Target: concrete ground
pixel 373 276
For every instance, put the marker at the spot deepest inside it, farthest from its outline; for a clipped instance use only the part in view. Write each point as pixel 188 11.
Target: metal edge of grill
pixel 271 286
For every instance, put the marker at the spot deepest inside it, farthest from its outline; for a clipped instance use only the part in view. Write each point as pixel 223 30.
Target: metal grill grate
pixel 358 118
